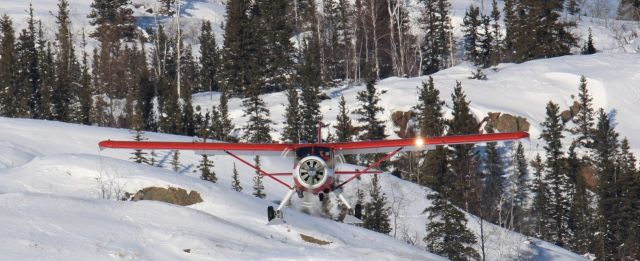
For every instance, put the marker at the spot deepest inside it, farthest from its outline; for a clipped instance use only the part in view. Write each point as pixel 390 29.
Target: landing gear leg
pixel 354 217
pixel 276 217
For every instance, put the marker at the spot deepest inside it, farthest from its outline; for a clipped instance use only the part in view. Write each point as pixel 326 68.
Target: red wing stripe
pixel 417 142
pixel 158 145
pixel 478 138
pixel 353 172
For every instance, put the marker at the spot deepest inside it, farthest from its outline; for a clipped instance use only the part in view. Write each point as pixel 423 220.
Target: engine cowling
pixel 312 172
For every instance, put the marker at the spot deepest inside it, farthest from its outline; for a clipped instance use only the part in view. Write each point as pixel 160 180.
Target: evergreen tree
pixel 235 183
pixel 471 25
pixel 345 131
pixel 310 80
pixel 464 162
pixel 436 46
pixel 584 120
pixel 226 126
pixel 113 20
pixel 239 43
pixel 431 123
pixel 498 41
pixel 258 187
pixel 377 213
pixel 372 126
pixel 581 212
pixel 588 48
pixel 276 30
pixel 138 154
pixel 573 7
pixel 627 212
pixel 487 50
pixel 206 169
pixel 209 59
pixel 8 70
pixel 258 126
pixel 447 233
pixel 555 176
pixel 29 77
pixel 519 192
pixel 291 130
pixel 47 70
pixel 86 93
pixel 175 161
pixel 67 67
pixel 540 209
pixel 605 148
pixel 493 180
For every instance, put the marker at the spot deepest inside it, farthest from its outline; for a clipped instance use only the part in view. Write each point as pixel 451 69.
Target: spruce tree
pixel 606 148
pixel 235 182
pixel 67 67
pixel 520 189
pixel 209 59
pixel 573 7
pixel 540 209
pixel 627 212
pixel 373 127
pixel 493 180
pixel 226 126
pixel 581 212
pixel 431 123
pixel 498 41
pixel 138 154
pixel 588 48
pixel 206 169
pixel 113 20
pixel 29 77
pixel 555 176
pixel 47 70
pixel 236 69
pixel 8 70
pixel 471 26
pixel 377 213
pixel 292 127
pixel 258 126
pixel 175 161
pixel 447 233
pixel 584 119
pixel 276 30
pixel 310 80
pixel 345 131
pixel 258 187
pixel 464 162
pixel 86 93
pixel 436 46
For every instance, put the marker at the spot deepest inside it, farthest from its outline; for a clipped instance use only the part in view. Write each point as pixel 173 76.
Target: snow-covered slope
pixel 53 208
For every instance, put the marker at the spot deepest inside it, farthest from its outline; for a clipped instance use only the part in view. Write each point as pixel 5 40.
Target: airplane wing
pixel 209 148
pixel 345 148
pixel 416 144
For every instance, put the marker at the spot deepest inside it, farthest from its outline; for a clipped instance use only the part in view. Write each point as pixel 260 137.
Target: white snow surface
pixel 53 208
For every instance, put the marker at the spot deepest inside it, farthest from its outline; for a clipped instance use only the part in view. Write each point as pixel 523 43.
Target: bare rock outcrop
pixel 171 195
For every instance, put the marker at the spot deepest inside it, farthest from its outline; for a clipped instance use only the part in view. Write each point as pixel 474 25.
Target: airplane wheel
pixel 271 214
pixel 358 211
pixel 321 196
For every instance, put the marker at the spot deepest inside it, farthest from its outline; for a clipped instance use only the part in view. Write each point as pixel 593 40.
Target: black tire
pixel 321 196
pixel 271 214
pixel 358 211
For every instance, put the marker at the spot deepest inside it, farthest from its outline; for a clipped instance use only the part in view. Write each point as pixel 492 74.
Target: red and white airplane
pixel 314 164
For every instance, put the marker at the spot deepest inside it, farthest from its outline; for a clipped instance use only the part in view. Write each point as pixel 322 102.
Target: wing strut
pixel 262 172
pixel 375 164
